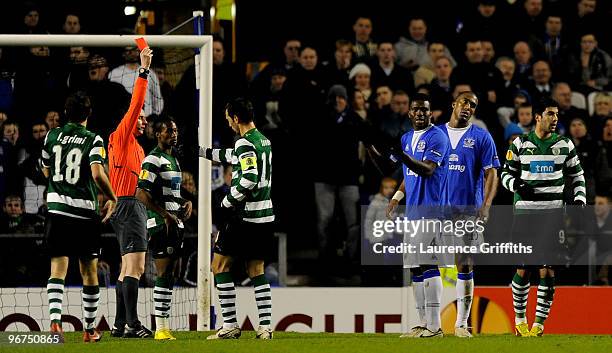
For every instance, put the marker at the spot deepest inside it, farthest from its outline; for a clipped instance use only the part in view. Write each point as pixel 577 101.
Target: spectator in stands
pixel 540 85
pixel 412 50
pixel 604 176
pixel 8 166
pixel 3 118
pixel 440 87
pixel 126 75
pixel 78 73
pixel 552 45
pixel 488 20
pixel 523 57
pixel 395 125
pixel 52 119
pixel 507 67
pixel 377 209
pixel 10 132
pixel 189 192
pixel 603 232
pixel 531 18
pixel 104 116
pixel 363 46
pixel 31 20
pixel 508 114
pixel 585 19
pixel 290 59
pixel 34 182
pixel 359 105
pixel 292 53
pixel 483 77
pixel 341 67
pixel 266 102
pixel 426 72
pixel 386 73
pixel 488 51
pixel 360 76
pixel 166 87
pixel 72 24
pixel 524 118
pixel 7 77
pixel 562 94
pixel 601 113
pixel 591 68
pixel 337 174
pixel 14 220
pixel 587 149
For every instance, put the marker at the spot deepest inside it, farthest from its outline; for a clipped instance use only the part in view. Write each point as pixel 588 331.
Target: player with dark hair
pixel 471 184
pixel 130 219
pixel 536 168
pixel 248 233
pixel 159 189
pixel 73 161
pixel 424 157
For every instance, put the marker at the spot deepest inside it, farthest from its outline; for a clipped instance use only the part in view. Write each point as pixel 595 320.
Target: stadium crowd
pixel 318 108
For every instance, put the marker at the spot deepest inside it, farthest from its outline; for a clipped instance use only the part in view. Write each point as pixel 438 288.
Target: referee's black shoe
pixel 137 332
pixel 117 331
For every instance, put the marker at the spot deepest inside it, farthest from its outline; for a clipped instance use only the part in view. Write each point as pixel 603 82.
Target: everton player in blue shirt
pixel 471 184
pixel 424 157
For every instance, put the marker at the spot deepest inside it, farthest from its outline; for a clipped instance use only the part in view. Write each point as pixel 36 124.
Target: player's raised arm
pixel 128 123
pixel 221 155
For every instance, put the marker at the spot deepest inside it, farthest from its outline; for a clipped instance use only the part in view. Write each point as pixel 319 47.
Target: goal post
pixel 204 77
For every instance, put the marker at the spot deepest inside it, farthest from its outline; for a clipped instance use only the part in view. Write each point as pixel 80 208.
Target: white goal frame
pixel 204 85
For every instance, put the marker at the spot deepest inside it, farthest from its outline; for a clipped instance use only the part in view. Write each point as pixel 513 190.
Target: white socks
pixel 465 293
pixel 419 296
pixel 433 295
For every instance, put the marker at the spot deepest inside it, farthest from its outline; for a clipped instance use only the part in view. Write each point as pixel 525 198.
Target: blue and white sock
pixel 465 293
pixel 419 297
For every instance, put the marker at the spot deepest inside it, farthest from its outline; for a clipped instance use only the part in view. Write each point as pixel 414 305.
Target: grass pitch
pixel 189 342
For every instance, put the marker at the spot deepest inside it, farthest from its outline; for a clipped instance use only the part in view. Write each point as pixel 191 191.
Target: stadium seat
pixel 578 100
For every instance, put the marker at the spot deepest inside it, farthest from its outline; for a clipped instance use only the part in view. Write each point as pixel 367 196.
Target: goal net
pixel 105 66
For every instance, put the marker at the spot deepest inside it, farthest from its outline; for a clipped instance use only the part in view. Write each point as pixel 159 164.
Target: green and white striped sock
pixel 546 291
pixel 91 297
pixel 162 298
pixel 263 298
pixel 520 293
pixel 55 295
pixel 227 298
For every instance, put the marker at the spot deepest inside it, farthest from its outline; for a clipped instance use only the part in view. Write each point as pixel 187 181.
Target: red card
pixel 142 43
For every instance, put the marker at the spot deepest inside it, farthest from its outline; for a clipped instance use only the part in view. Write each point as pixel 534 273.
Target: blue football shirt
pixel 431 144
pixel 471 152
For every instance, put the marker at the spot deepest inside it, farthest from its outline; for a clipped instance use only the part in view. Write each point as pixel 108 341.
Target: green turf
pixel 330 343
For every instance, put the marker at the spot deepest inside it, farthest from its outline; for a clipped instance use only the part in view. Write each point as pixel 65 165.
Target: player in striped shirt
pixel 159 189
pixel 248 234
pixel 535 170
pixel 73 161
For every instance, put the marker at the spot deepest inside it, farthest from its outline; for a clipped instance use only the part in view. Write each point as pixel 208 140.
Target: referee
pixel 129 220
pixel 537 167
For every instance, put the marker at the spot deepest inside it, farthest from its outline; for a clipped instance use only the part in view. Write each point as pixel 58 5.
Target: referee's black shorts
pixel 130 224
pixel 245 240
pixel 70 236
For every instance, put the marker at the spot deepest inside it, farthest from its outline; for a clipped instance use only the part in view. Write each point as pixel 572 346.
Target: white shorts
pixel 421 240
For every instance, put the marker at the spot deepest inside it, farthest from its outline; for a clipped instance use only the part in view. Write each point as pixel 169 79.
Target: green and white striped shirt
pixel 251 160
pixel 161 177
pixel 543 165
pixel 68 152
